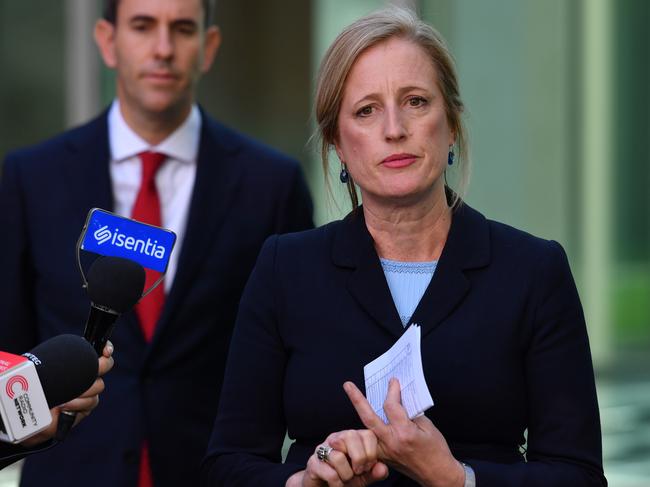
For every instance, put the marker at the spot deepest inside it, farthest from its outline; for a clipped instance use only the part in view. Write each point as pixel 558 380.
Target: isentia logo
pixel 117 239
pixel 102 235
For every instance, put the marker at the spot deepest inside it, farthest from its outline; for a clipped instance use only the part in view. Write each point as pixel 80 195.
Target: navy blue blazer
pixel 504 350
pixel 166 391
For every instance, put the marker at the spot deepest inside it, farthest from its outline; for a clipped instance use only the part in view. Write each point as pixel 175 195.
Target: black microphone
pixel 66 366
pixel 114 286
pixel 54 372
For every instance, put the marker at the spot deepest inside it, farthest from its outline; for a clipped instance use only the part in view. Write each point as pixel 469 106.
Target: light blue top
pixel 407 282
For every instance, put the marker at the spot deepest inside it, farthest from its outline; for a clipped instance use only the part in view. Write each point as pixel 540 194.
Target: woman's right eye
pixel 365 111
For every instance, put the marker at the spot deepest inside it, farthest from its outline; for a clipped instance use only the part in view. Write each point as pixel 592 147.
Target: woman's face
pixel 393 132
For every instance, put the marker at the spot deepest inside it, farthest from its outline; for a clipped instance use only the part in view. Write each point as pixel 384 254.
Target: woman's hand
pixel 416 448
pixel 351 462
pixel 82 405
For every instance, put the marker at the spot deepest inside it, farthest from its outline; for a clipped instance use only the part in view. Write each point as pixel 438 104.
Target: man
pixel 156 157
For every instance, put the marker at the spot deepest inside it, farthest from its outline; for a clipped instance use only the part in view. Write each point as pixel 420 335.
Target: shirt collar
pixel 182 144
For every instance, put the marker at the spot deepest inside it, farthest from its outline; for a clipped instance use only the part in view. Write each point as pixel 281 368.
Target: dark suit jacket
pixel 504 349
pixel 167 391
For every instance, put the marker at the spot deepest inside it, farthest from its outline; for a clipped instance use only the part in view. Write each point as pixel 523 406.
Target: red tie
pixel 147 210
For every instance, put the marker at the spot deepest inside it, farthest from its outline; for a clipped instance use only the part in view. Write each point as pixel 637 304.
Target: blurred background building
pixel 558 107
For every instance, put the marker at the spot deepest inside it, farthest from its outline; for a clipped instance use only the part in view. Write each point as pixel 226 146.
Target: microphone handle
pixel 99 327
pixel 64 425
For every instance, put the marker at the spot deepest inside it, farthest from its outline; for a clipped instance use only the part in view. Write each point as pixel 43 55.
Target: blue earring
pixel 451 156
pixel 344 176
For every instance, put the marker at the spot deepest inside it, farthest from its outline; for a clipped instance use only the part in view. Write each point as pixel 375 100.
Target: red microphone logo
pixel 16 379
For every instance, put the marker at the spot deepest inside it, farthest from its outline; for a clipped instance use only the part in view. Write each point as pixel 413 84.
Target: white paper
pixel 402 361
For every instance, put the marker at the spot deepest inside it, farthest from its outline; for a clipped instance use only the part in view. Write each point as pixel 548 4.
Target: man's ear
pixel 210 47
pixel 105 40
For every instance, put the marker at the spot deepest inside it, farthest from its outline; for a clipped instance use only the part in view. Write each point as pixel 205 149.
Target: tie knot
pixel 151 162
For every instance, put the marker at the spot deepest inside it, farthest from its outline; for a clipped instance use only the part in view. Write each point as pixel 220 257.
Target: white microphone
pixel 56 371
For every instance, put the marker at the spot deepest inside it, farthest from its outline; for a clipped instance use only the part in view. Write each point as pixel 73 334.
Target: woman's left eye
pixel 417 101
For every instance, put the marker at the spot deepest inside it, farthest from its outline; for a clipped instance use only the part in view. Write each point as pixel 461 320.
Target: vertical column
pixel 82 93
pixel 597 200
pixel 410 4
pixel 329 18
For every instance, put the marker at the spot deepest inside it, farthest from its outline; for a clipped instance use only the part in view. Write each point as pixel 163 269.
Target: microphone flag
pixel 110 235
pixel 23 406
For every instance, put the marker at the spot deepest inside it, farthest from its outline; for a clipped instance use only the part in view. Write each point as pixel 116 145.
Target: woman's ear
pixel 339 152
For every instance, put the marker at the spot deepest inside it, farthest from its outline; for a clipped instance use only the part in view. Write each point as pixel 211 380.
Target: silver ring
pixel 323 452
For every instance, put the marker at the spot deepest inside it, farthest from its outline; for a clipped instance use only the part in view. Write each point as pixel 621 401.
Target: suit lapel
pixel 217 179
pixel 354 248
pixel 86 167
pixel 467 247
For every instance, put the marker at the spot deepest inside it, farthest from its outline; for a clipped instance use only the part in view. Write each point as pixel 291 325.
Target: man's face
pixel 159 49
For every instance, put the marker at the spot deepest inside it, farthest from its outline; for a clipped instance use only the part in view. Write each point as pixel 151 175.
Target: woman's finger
pixel 318 471
pixel 339 462
pixel 108 349
pixel 395 412
pixel 82 405
pixel 362 454
pixel 371 447
pixel 378 472
pixel 105 365
pixel 368 417
pixel 95 389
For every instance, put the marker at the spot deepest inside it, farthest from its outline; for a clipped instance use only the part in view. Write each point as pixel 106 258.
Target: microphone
pixel 54 372
pixel 115 284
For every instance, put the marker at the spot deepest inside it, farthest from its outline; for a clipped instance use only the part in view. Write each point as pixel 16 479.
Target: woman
pixel 504 344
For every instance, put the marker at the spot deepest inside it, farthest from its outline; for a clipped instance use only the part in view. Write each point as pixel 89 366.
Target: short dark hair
pixel 110 10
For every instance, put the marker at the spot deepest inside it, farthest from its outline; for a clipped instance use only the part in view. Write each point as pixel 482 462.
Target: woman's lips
pixel 396 161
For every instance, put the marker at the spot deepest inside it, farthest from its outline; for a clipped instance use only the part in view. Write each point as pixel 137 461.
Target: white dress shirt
pixel 174 180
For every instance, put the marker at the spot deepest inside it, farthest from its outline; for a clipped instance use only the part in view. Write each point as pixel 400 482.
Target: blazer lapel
pixel 217 178
pixel 467 247
pixel 353 247
pixel 86 167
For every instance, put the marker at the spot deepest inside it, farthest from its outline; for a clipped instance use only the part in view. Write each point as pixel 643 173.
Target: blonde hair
pixel 348 46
